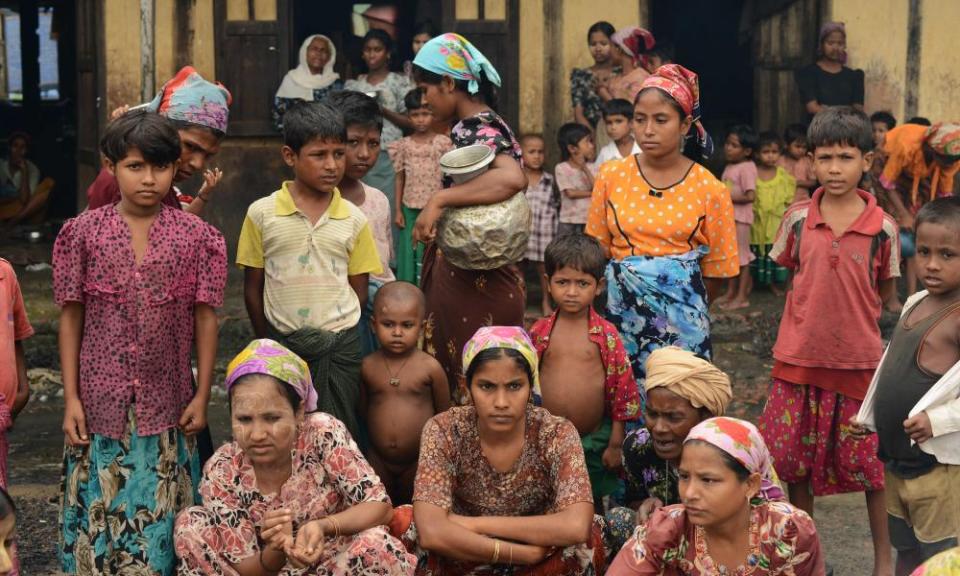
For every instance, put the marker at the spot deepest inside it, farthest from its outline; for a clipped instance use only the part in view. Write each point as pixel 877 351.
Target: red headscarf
pixel 682 85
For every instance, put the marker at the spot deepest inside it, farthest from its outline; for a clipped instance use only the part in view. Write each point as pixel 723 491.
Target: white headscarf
pixel 300 82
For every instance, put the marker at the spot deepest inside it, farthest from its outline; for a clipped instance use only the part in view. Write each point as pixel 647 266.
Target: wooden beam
pixel 914 37
pixel 184 33
pixel 148 64
pixel 30 60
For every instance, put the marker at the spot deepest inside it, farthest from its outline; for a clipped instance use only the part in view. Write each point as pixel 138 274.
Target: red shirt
pixel 831 314
pixel 622 394
pixel 105 191
pixel 14 327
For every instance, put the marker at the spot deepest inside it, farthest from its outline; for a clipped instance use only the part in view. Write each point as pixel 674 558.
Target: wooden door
pixel 493 26
pixel 784 40
pixel 91 115
pixel 251 61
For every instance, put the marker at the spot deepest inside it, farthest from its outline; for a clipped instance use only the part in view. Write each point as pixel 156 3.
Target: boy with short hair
pixel 364 123
pixel 306 254
pixel 544 200
pixel 574 178
pixel 585 374
pixel 401 388
pixel 923 353
pixel 882 122
pixel 843 251
pixel 618 122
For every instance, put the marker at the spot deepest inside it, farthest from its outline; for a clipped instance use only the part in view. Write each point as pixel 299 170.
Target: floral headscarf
pixel 504 337
pixel 829 28
pixel 683 86
pixel 944 138
pixel 741 440
pixel 190 98
pixel 455 56
pixel 265 356
pixel 635 42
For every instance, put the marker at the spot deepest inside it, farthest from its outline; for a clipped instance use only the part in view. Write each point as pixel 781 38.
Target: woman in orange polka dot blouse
pixel 666 223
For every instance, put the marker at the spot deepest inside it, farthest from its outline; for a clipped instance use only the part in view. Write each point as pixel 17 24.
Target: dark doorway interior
pixel 39 71
pixel 708 39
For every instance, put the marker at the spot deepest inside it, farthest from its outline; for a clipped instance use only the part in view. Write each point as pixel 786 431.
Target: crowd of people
pixel 396 415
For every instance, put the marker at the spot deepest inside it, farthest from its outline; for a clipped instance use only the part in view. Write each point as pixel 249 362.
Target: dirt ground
pixel 742 343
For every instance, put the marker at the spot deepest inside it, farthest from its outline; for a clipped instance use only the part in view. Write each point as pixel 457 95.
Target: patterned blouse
pixel 632 218
pixel 583 93
pixel 783 542
pixel 621 392
pixel 544 201
pixel 453 473
pixel 390 93
pixel 138 319
pixel 420 164
pixel 648 475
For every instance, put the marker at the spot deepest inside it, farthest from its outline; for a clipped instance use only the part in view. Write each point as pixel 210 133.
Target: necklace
pixel 394 378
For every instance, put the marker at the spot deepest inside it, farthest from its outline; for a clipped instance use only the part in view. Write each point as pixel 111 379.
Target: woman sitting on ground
pixel 731 520
pixel 23 195
pixel 291 494
pixel 682 391
pixel 501 482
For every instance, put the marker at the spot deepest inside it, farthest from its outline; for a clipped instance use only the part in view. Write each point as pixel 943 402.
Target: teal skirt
pixel 119 499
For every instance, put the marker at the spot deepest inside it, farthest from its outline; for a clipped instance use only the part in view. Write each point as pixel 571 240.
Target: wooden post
pixel 185 30
pixel 914 35
pixel 147 61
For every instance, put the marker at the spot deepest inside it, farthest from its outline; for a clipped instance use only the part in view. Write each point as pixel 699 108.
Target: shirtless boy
pixel 585 374
pixel 402 387
pixel 922 488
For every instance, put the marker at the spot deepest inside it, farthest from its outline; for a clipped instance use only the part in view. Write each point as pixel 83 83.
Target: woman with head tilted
pixel 311 80
pixel 291 494
pixel 731 520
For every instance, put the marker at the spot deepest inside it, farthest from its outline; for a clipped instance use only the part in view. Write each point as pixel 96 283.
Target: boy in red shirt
pixel 14 389
pixel 843 251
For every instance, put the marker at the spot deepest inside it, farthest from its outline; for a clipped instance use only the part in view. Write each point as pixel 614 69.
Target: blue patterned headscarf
pixel 190 98
pixel 455 56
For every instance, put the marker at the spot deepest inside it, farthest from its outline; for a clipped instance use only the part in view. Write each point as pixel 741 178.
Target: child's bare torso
pixel 572 377
pixel 940 349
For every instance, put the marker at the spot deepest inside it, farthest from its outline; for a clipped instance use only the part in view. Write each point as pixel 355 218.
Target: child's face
pixel 879 133
pixel 375 54
pixel 573 291
pixel 319 165
pixel 840 167
pixel 419 40
pixel 734 151
pixel 440 98
pixel 7 543
pixel 197 146
pixel 797 149
pixel 363 147
pixel 599 47
pixel 421 119
pixel 769 154
pixel 533 153
pixel 584 150
pixel 938 257
pixel 618 127
pixel 397 324
pixel 141 183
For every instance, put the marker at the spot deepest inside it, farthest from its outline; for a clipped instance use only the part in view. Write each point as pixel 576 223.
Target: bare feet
pixel 722 300
pixel 777 291
pixel 735 305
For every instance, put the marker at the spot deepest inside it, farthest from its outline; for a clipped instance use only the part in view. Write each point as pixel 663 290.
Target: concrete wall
pixel 939 61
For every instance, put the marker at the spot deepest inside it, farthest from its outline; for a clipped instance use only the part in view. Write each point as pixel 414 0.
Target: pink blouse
pixel 420 164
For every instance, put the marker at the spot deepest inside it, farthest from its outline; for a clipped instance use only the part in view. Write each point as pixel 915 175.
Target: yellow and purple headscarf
pixel 453 55
pixel 504 337
pixel 268 357
pixel 189 98
pixel 742 441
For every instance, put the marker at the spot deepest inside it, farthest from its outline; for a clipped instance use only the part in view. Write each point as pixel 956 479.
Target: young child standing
pixel 924 352
pixel 573 176
pixel 843 251
pixel 740 176
pixel 797 162
pixel 585 374
pixel 307 254
pixel 416 160
pixel 544 200
pixel 137 283
pixel 775 191
pixel 618 122
pixel 14 388
pixel 363 122
pixel 882 122
pixel 401 388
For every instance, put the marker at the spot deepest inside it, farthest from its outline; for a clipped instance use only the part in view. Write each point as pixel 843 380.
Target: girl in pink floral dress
pixel 291 494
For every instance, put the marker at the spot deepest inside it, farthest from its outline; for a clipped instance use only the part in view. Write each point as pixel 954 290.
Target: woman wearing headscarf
pixel 666 222
pixel 291 494
pixel 460 84
pixel 682 391
pixel 732 519
pixel 502 485
pixel 630 46
pixel 311 80
pixel 828 82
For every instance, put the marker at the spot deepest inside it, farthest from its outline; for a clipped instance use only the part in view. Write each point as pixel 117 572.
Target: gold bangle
pixel 496 551
pixel 511 554
pixel 336 526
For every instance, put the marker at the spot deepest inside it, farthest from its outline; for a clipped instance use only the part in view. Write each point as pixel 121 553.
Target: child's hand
pixel 210 180
pixel 918 428
pixel 308 546
pixel 425 229
pixel 613 458
pixel 194 417
pixel 277 529
pixel 858 429
pixel 119 111
pixel 75 424
pixel 399 220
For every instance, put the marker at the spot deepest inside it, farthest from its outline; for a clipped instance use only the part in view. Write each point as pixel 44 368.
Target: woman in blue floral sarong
pixel 666 223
